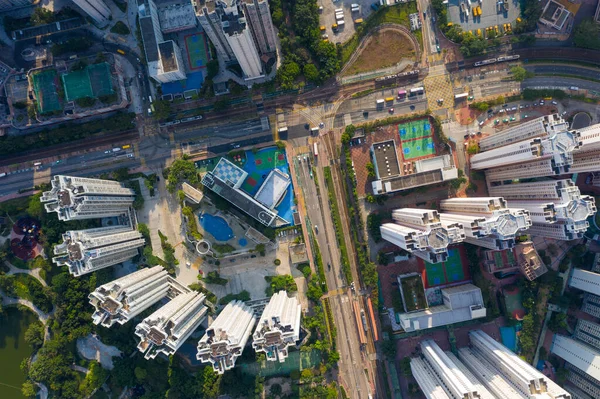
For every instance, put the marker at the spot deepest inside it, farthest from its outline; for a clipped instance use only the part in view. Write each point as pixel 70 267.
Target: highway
pixel 352 362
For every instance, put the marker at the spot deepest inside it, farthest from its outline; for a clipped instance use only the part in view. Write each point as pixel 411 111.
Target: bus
pixel 126 146
pixel 380 103
pixel 401 94
pixel 121 52
pixel 389 99
pixel 461 96
pixel 150 99
pixel 316 150
pixel 416 90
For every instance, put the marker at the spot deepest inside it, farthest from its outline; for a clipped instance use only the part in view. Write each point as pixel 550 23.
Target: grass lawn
pixel 21 285
pixel 383 50
pixel 397 14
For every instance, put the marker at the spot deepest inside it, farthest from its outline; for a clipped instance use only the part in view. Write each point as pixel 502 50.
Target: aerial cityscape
pixel 316 199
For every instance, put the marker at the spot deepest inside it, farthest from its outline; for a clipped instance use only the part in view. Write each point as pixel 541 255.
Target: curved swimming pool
pixel 216 226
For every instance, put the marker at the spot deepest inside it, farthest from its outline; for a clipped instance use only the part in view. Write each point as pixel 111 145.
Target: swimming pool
pixel 216 226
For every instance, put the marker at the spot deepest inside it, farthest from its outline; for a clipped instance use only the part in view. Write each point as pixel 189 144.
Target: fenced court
pixel 513 302
pixel 454 267
pixel 45 86
pixel 451 271
pixel 435 274
pixel 197 52
pixel 93 81
pixel 417 148
pixel 414 129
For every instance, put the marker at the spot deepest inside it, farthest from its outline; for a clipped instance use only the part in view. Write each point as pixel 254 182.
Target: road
pixel 352 361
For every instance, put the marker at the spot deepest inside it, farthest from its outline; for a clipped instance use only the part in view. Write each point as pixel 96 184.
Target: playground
pixel 45 86
pixel 25 239
pixel 92 81
pixel 414 129
pixel 454 270
pixel 197 51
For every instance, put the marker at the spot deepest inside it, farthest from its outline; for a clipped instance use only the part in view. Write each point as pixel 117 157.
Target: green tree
pixel 520 74
pixel 287 74
pixel 557 321
pixel 277 283
pixel 140 374
pixel 41 16
pixel 311 73
pixel 94 379
pixel 181 170
pixel 586 35
pixel 28 389
pixel 162 109
pixel 276 389
pixel 405 366
pixel 212 69
pixel 34 335
pixel 209 383
pixel 370 169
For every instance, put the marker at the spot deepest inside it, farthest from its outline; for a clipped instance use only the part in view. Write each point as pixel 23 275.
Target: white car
pixel 554 103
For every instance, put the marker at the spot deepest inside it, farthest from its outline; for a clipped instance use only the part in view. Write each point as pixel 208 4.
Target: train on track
pixel 398 75
pixel 496 60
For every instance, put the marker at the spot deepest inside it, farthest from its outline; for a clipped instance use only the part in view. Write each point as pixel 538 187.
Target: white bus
pixel 416 90
pixel 316 150
pixel 461 96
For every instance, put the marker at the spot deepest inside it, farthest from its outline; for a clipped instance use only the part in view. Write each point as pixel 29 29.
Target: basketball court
pixel 45 86
pixel 452 271
pixel 418 148
pixel 513 302
pixel 197 51
pixel 414 129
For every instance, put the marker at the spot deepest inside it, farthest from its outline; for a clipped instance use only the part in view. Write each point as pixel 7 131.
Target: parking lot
pixel 344 32
pixel 492 14
pixel 500 117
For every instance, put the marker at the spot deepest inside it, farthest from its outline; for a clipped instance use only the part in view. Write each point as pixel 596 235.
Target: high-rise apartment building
pixel 124 298
pixel 556 149
pixel 85 251
pixel 550 202
pixel 258 16
pixel 588 332
pixel 96 9
pixel 486 370
pixel 164 59
pixel 165 330
pixel 241 30
pixel 7 5
pixel 538 127
pixel 227 336
pixel 584 382
pixel 74 198
pixel 591 304
pixel 421 232
pixel 587 158
pixel 585 280
pixel 487 221
pixel 579 354
pixel 278 327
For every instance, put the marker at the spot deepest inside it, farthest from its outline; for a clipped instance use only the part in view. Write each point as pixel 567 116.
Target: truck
pixel 116 149
pixel 380 103
pixel 341 23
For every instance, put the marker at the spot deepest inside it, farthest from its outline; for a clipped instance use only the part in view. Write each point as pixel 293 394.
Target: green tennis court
pixel 195 46
pixel 435 274
pixel 454 267
pixel 45 87
pixel 414 129
pixel 418 148
pixel 99 76
pixel 77 85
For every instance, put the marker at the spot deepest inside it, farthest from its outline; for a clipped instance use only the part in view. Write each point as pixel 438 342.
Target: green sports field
pixel 196 49
pixel 435 274
pixel 414 129
pixel 418 148
pixel 46 93
pixel 454 268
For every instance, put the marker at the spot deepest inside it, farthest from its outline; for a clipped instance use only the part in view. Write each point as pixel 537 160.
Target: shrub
pixel 277 262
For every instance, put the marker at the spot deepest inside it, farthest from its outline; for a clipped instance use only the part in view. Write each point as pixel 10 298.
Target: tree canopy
pixel 587 35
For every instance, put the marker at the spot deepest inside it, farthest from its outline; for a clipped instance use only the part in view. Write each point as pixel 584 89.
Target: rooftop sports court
pixel 92 81
pixel 45 86
pixel 454 270
pixel 416 139
pixel 197 51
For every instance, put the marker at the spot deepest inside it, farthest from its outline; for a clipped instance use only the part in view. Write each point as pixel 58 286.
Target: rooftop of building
pixel 167 56
pixel 386 159
pixel 149 39
pixel 176 15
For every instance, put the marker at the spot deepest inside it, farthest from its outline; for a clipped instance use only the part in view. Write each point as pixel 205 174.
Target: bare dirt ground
pixel 383 50
pixel 92 348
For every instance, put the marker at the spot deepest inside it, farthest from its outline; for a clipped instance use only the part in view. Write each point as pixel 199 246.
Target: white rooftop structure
pixel 165 330
pixel 487 221
pixel 581 355
pixel 538 127
pixel 585 280
pixel 96 9
pixel 446 370
pixel 421 232
pixel 227 336
pixel 524 377
pixel 278 327
pixel 558 148
pixel 192 193
pixel 174 17
pixel 74 198
pixel 85 251
pixel 273 188
pixel 124 298
pixel 461 303
pixel 425 376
